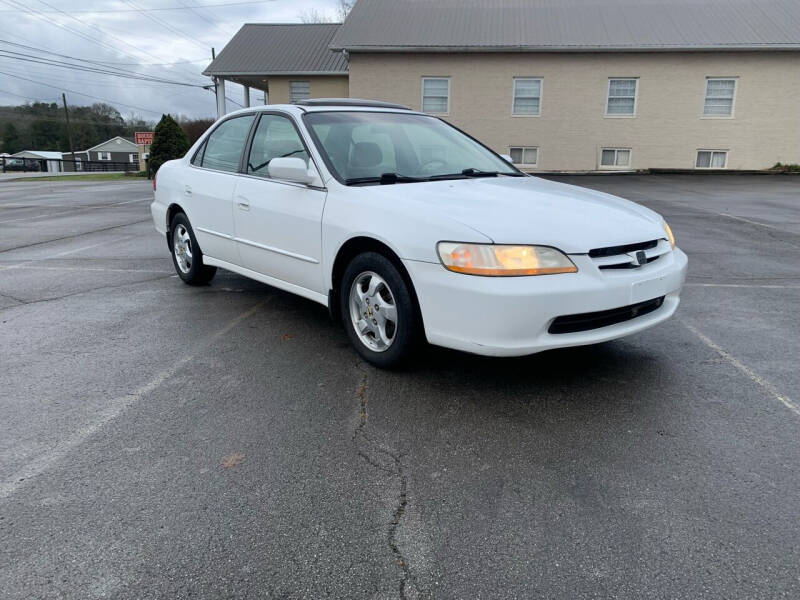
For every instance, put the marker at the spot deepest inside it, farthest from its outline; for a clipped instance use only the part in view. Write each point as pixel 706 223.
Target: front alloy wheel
pixel 373 312
pixel 379 311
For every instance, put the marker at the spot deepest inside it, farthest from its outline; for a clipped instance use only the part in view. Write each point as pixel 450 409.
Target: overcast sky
pixel 127 34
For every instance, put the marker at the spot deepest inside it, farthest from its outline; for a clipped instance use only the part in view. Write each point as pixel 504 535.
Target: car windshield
pixel 374 147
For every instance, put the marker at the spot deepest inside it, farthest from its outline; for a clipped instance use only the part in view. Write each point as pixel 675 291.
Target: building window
pixel 299 90
pixel 621 101
pixel 436 95
pixel 524 155
pixel 134 158
pixel 78 164
pixel 104 156
pixel 615 157
pixel 719 97
pixel 711 159
pixel 527 97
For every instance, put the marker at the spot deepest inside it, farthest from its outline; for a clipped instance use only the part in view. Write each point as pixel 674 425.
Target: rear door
pixel 210 185
pixel 279 223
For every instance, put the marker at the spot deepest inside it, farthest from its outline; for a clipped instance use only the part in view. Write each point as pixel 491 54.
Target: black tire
pixel 405 331
pixel 193 272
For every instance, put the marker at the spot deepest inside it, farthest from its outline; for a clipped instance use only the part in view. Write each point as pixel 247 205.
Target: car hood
pixel 530 210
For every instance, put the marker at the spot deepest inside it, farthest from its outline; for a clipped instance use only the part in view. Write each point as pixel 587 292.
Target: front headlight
pixel 670 237
pixel 503 260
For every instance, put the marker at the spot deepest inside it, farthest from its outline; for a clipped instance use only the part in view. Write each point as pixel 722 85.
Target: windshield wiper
pixel 471 172
pixel 385 179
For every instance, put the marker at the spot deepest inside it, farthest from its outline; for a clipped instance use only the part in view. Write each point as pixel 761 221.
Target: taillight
pixel 155 177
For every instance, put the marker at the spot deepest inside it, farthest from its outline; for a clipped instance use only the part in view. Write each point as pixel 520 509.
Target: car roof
pixel 328 106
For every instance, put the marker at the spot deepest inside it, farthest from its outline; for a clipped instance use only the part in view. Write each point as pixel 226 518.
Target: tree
pixel 169 142
pixel 12 140
pixel 338 15
pixel 194 128
pixel 343 9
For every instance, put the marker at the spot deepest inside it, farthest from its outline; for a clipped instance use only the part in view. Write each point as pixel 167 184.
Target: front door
pixel 278 223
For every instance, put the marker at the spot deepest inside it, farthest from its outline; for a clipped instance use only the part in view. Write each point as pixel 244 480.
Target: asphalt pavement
pixel 164 441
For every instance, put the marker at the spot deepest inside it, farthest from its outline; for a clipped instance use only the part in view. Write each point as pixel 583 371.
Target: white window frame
pixel 78 163
pixel 735 80
pixel 292 100
pixel 523 148
pixel 100 156
pixel 133 158
pixel 514 96
pixel 711 166
pixel 635 99
pixel 616 150
pixel 422 97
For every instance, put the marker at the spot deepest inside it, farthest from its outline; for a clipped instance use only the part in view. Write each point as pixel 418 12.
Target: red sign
pixel 144 138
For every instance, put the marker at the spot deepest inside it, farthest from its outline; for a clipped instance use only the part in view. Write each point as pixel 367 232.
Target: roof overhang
pixel 572 49
pixel 275 73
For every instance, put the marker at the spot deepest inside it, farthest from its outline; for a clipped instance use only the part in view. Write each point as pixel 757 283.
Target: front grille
pixel 628 265
pixel 603 318
pixel 615 250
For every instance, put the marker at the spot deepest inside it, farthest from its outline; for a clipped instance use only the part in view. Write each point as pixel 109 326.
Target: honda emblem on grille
pixel 638 258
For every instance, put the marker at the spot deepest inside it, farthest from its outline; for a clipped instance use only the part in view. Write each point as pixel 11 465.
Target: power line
pixel 74 18
pixel 211 22
pixel 44 72
pixel 65 65
pixel 159 9
pixel 164 24
pixel 4 92
pixel 114 102
pixel 100 64
pixel 38 14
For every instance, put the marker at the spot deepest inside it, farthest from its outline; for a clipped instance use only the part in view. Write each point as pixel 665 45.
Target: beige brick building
pixel 674 85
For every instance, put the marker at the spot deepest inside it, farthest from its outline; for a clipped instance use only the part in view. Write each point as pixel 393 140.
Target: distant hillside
pixel 41 126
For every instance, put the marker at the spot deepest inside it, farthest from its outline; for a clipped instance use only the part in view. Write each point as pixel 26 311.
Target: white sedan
pixel 408 229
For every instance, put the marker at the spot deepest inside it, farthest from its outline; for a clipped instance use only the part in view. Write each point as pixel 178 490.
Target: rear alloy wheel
pixel 378 310
pixel 182 248
pixel 186 254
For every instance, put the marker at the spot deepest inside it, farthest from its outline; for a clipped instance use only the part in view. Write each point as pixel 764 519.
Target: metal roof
pixel 44 154
pixel 570 25
pixel 280 49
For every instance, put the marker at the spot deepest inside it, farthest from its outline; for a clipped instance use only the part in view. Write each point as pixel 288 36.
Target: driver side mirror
pixel 295 170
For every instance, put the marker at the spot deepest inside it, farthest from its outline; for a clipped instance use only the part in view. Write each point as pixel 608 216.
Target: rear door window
pixel 223 149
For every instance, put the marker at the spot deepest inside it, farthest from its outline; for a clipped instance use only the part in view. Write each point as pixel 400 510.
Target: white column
pixel 246 96
pixel 266 98
pixel 220 97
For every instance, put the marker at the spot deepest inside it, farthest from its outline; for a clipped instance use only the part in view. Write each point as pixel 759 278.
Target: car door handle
pixel 187 190
pixel 242 203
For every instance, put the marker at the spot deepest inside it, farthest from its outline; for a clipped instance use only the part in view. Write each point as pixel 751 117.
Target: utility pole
pixel 69 131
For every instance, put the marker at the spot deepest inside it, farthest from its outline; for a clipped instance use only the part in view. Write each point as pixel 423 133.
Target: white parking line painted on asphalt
pixel 27 263
pixel 743 285
pixel 115 407
pixel 749 221
pixel 747 371
pixel 26 266
pixel 73 210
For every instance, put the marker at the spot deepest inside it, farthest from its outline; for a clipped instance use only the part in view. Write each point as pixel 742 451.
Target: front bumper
pixel 510 316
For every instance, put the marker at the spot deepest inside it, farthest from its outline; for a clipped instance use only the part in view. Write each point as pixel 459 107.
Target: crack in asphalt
pixel 78 293
pixel 76 235
pixel 372 452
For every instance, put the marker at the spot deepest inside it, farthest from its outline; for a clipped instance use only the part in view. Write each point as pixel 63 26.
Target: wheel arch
pixel 172 210
pixel 347 252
